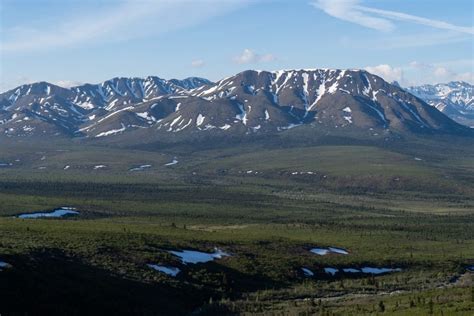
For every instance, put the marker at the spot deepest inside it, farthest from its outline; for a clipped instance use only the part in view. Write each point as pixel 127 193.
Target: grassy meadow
pixel 398 205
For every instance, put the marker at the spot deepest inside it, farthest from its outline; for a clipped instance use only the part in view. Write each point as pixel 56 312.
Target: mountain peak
pixel 455 99
pixel 252 101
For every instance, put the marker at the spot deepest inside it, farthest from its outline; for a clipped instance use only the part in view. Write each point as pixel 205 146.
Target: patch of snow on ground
pixel 326 251
pixel 282 128
pixel 140 168
pixel 173 162
pixel 338 250
pixel 417 117
pixel 307 272
pixel 243 114
pixel 173 123
pixel 209 126
pixel 331 271
pixel 320 251
pixel 112 132
pixel 193 256
pixel 171 271
pixel 380 114
pixel 200 119
pixel 143 115
pixel 267 115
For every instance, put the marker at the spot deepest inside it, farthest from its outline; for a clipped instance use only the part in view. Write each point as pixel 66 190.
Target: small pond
pixel 363 270
pixel 60 212
pixel 4 265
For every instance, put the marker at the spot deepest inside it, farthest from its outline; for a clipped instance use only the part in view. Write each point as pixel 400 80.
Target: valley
pixel 404 205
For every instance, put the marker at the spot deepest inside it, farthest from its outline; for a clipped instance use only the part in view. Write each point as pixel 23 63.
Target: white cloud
pixel 442 72
pixel 248 56
pixel 197 63
pixel 418 73
pixel 67 83
pixel 466 76
pixel 129 19
pixel 387 72
pixel 381 20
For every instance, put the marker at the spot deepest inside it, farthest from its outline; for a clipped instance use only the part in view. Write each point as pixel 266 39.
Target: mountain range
pixel 250 102
pixel 455 99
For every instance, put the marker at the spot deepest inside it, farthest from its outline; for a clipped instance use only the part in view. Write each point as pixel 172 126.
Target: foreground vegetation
pixel 399 206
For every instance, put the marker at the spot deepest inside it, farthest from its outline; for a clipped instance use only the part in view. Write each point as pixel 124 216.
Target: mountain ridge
pixel 454 98
pixel 249 102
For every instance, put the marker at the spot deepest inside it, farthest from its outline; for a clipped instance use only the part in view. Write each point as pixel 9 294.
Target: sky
pixel 70 42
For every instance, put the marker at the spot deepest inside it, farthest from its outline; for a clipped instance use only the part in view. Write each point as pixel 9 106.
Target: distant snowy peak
pixel 455 99
pixel 457 92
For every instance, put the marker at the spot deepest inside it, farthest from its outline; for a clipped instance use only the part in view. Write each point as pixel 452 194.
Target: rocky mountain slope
pixel 455 99
pixel 248 102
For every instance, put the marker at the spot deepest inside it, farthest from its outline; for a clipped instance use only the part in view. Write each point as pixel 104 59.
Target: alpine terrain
pixel 455 99
pixel 326 100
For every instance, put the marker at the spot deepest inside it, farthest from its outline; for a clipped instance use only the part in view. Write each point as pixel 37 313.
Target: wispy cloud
pixel 347 10
pixel 381 20
pixel 128 20
pixel 197 63
pixel 413 40
pixel 248 56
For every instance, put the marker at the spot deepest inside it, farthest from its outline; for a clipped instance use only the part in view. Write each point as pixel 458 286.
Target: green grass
pixel 378 202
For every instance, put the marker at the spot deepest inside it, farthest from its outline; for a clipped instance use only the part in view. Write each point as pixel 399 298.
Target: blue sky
pixel 69 42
